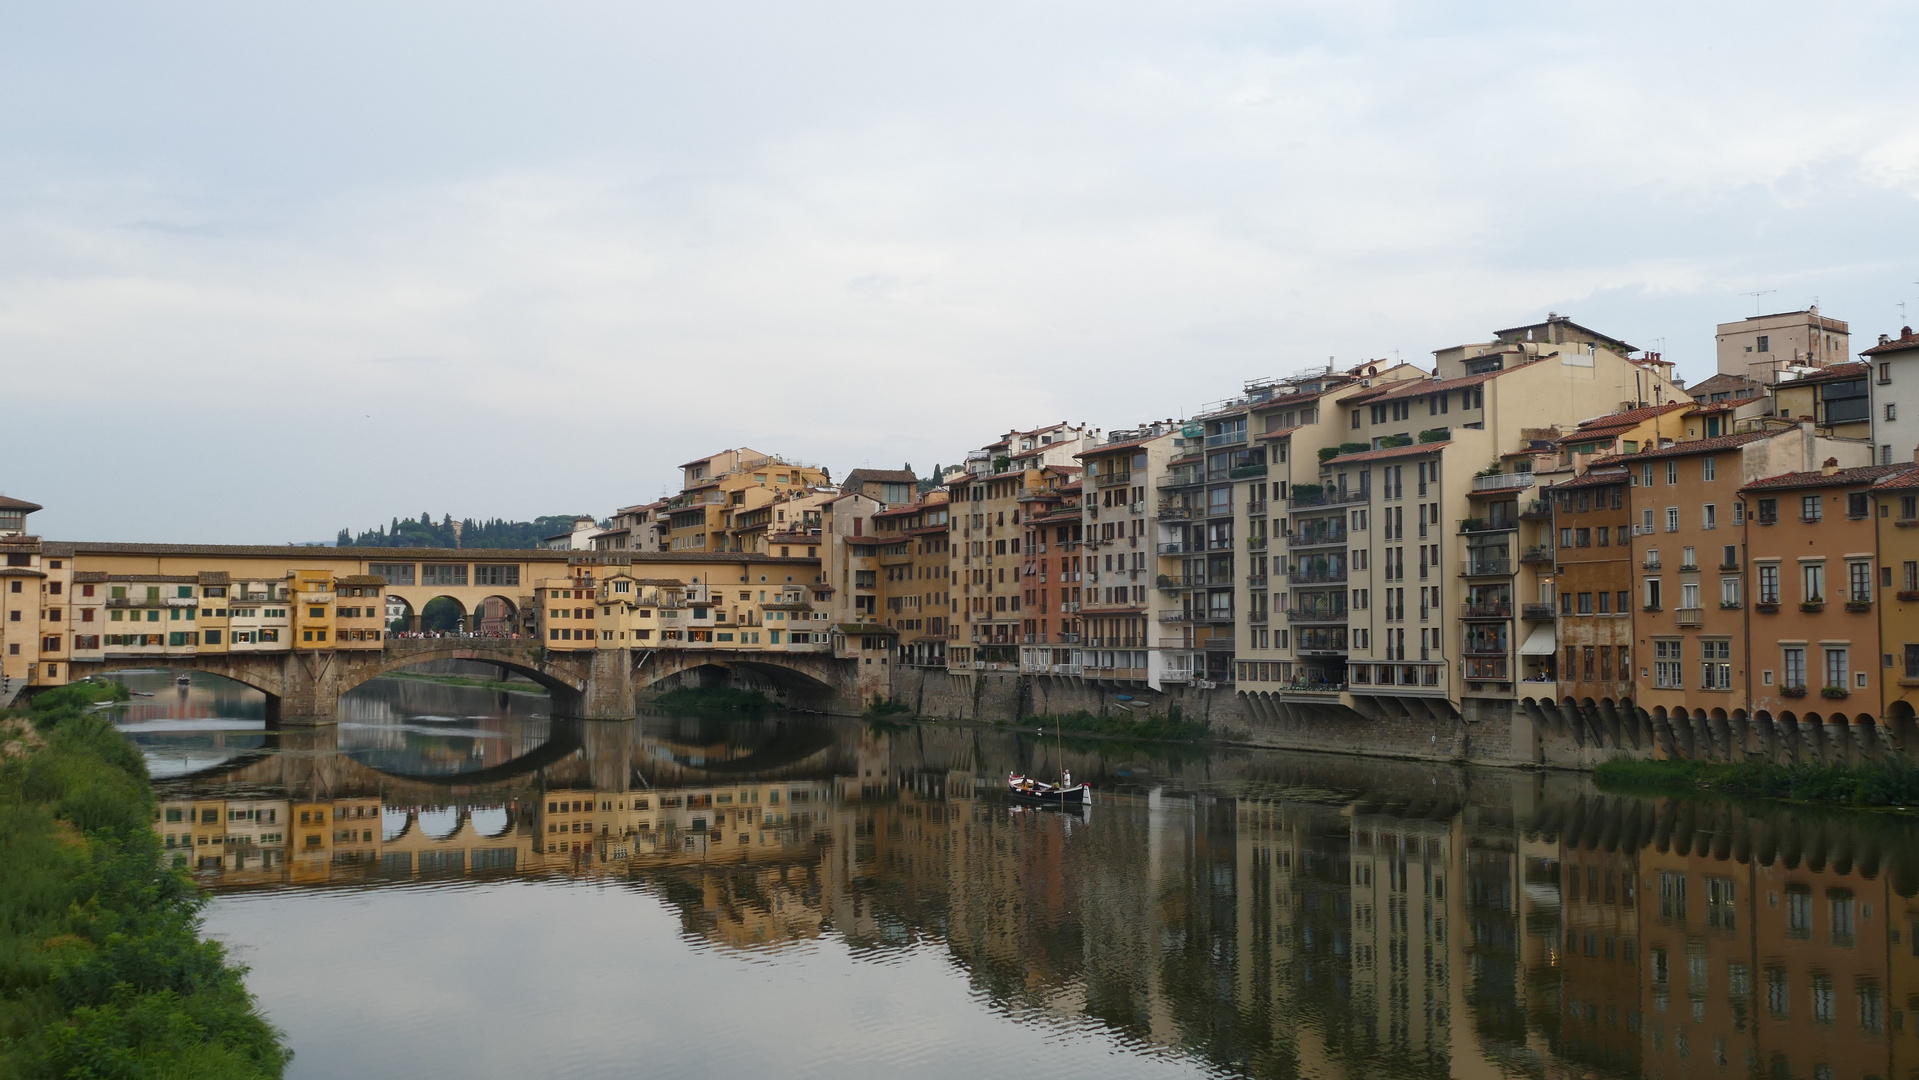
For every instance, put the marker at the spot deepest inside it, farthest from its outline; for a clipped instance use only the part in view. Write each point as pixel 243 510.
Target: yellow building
pixel 1836 399
pixel 36 635
pixel 914 586
pixel 728 483
pixel 1897 522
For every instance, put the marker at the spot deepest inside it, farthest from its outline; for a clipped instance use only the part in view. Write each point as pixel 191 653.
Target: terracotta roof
pixel 20 571
pixel 1906 480
pixel 1704 407
pixel 360 579
pixel 1593 478
pixel 1103 448
pixel 1390 452
pixel 1561 321
pixel 1728 383
pixel 19 504
pixel 1853 369
pixel 1865 474
pixel 296 554
pixel 1683 449
pixel 1630 417
pixel 81 577
pixel 1906 340
pixel 1280 434
pixel 1410 388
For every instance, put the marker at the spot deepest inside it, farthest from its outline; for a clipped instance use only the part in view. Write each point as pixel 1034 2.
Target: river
pixel 451 884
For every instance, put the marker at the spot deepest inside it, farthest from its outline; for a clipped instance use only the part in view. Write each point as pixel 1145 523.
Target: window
pixel 394 573
pixel 496 575
pixel 1812 582
pixel 1859 582
pixel 1768 511
pixel 1729 556
pixel 1716 664
pixel 1769 583
pixel 1846 402
pixel 1672 473
pixel 1857 505
pixel 1652 594
pixel 1711 520
pixel 1811 508
pixel 443 574
pixel 1912 672
pixel 1836 667
pixel 1764 345
pixel 1666 661
pixel 1721 913
pixel 1840 912
pixel 1672 519
pixel 1729 592
pixel 1793 659
pixel 1672 895
pixel 1707 469
pixel 1645 518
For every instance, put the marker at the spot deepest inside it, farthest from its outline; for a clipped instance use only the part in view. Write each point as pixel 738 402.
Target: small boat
pixel 183 680
pixel 141 693
pixel 1040 793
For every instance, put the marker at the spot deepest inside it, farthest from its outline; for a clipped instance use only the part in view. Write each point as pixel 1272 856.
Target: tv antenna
pixel 1756 312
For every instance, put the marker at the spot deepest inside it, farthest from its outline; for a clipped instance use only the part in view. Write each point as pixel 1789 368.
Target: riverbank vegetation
pixel 1168 728
pixel 105 971
pixel 881 707
pixel 713 699
pixel 1874 784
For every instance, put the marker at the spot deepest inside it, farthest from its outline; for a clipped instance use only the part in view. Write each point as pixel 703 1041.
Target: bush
pixel 1389 441
pixel 884 706
pixel 1435 435
pixel 1168 728
pixel 100 948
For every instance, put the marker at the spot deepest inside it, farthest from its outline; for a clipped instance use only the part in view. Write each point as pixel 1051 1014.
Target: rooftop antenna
pixel 1755 299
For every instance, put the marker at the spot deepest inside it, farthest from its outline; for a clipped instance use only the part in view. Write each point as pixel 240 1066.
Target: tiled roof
pixel 1593 478
pixel 1865 474
pixel 1906 340
pixel 1107 447
pixel 295 553
pixel 879 476
pixel 1280 434
pixel 1410 388
pixel 1390 452
pixel 1683 449
pixel 1905 480
pixel 19 504
pixel 1853 369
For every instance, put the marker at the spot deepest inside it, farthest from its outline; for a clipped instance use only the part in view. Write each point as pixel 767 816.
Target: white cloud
pixel 534 264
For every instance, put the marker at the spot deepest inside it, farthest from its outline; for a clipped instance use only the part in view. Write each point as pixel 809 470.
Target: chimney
pixel 1886 339
pixel 1830 467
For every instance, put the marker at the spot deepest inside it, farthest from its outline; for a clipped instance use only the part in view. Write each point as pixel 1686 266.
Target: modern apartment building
pixel 1051 573
pixel 1837 399
pixel 1763 347
pixel 631 528
pixel 1129 630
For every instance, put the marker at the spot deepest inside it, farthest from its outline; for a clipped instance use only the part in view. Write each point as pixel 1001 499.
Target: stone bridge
pixel 305 686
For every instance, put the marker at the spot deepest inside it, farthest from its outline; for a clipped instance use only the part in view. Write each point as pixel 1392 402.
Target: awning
pixel 1540 642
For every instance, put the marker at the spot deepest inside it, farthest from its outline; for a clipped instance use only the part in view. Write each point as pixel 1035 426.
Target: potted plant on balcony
pixel 1767 607
pixel 1858 605
pixel 1817 603
pixel 1835 692
pixel 1792 691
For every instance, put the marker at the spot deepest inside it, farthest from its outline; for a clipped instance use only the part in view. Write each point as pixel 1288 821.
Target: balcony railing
pixel 1479 525
pixel 1175 582
pixel 1181 478
pixel 1177 512
pixel 1315 577
pixel 1537 612
pixel 1316 538
pixel 1256 581
pixel 1535 555
pixel 1176 617
pixel 1690 616
pixel 1536 510
pixel 1503 482
pixel 1256 618
pixel 1316 615
pixel 1487 567
pixel 1112 479
pixel 1255 543
pixel 1486 648
pixel 1180 547
pixel 1226 438
pixel 1246 472
pixel 1329 498
pixel 1496 610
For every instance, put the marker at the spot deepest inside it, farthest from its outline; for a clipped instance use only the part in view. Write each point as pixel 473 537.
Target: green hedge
pixel 105 970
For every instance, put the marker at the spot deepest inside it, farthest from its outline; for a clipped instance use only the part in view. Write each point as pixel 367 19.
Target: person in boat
pixel 1066 778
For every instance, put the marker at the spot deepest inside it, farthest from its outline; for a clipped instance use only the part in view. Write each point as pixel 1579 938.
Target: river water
pixel 451 884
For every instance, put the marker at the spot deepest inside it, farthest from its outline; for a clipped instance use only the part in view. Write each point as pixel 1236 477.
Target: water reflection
pixel 1243 913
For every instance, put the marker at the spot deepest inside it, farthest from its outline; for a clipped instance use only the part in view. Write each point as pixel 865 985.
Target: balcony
pixel 1177 512
pixel 1494 610
pixel 1537 510
pixel 1690 616
pixel 1256 618
pixel 1176 582
pixel 1486 568
pixel 1480 525
pixel 1177 617
pixel 1181 478
pixel 1316 615
pixel 1112 479
pixel 1317 538
pixel 1176 675
pixel 1328 498
pixel 1226 438
pixel 1180 547
pixel 1493 647
pixel 1536 555
pixel 1255 543
pixel 1537 613
pixel 1246 472
pixel 1317 577
pixel 1256 581
pixel 1503 482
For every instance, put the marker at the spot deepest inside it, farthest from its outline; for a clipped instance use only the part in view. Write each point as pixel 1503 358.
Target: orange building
pixel 1593 585
pixel 1051 573
pixel 1812 542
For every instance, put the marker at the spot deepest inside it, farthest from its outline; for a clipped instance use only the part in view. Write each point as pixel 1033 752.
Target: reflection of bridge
pixel 306 686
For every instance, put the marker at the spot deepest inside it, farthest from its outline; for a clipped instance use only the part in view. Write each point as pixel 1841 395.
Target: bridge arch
pixel 443 614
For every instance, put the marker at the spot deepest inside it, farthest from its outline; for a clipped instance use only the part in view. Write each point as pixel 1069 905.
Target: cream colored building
pixel 1763 347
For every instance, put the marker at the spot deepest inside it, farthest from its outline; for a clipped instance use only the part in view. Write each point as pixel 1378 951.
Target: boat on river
pixel 1032 792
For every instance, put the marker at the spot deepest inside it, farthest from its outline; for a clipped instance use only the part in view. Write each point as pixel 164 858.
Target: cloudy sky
pixel 267 270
